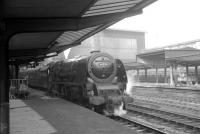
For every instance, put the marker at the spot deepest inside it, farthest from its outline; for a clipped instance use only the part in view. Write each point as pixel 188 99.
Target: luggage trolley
pixel 19 89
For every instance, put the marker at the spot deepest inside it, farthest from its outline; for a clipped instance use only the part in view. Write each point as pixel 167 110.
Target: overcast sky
pixel 166 22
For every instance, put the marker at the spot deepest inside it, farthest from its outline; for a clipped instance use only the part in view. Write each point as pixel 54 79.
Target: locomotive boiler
pixel 97 81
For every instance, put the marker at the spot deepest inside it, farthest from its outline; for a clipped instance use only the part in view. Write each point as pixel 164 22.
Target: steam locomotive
pixel 97 81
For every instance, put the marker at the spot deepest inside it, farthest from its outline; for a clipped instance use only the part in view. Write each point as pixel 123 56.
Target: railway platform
pixel 166 85
pixel 41 114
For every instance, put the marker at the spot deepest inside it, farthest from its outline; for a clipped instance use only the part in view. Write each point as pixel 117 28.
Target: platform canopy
pixel 37 29
pixel 136 65
pixel 163 58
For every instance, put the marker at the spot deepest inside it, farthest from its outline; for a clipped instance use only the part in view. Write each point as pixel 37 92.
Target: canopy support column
pixel 171 76
pixel 4 85
pixel 145 75
pixel 156 75
pixel 196 74
pixel 187 78
pixel 138 75
pixel 165 75
pixel 16 71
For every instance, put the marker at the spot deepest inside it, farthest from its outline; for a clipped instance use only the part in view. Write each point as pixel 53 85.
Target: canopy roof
pixel 44 28
pixel 136 65
pixel 159 58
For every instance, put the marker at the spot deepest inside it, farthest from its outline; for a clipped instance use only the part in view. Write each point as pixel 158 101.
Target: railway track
pixel 185 101
pixel 164 111
pixel 188 104
pixel 165 122
pixel 171 106
pixel 137 126
pixel 183 97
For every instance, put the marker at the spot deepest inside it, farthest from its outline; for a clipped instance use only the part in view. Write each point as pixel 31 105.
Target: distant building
pixel 120 44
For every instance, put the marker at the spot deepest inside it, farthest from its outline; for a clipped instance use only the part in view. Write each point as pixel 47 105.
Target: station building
pixel 124 45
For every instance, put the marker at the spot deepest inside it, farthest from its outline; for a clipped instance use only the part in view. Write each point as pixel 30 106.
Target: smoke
pixel 66 53
pixel 131 81
pixel 119 111
pixel 128 88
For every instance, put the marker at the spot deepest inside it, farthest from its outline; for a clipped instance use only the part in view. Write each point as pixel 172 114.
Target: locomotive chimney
pixel 95 51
